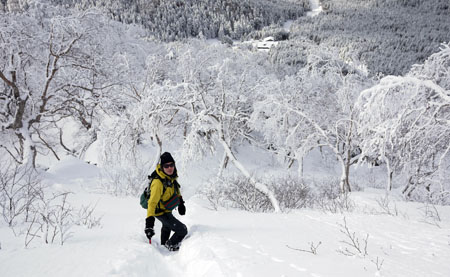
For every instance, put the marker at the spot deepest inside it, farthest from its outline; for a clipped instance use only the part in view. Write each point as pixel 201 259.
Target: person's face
pixel 168 168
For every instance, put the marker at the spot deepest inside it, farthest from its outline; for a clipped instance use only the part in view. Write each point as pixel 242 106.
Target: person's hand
pixel 149 232
pixel 149 224
pixel 181 207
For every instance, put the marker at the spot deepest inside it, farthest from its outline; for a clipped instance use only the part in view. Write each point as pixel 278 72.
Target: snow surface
pixel 231 242
pixel 316 8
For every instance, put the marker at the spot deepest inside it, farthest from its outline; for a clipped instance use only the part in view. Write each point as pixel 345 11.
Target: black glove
pixel 149 223
pixel 181 207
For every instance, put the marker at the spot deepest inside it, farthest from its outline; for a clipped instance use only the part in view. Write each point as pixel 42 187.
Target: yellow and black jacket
pixel 155 202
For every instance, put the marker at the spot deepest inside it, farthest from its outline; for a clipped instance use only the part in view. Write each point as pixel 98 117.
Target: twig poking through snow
pixel 431 214
pixel 354 242
pixel 313 248
pixel 378 263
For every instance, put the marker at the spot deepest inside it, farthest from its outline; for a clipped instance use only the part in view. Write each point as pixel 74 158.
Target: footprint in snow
pixel 232 240
pixel 298 268
pixel 275 259
pixel 262 253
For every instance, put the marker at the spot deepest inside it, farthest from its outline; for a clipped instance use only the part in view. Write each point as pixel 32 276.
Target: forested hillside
pixel 171 20
pixel 387 35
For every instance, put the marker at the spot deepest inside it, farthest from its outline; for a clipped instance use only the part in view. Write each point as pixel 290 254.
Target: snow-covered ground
pixel 316 8
pixel 235 243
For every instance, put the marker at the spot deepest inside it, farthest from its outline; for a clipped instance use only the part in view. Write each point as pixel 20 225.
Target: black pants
pixel 170 223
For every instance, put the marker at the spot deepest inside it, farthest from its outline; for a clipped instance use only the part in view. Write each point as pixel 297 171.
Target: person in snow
pixel 164 197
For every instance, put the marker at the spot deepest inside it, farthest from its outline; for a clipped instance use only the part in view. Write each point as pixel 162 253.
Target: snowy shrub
pixel 428 193
pixel 329 199
pixel 63 217
pixel 29 210
pixel 236 192
pixel 430 214
pixel 242 193
pixel 20 187
pixel 124 179
pixel 387 206
pixel 87 218
pixel 213 192
pixel 291 193
pixel 51 219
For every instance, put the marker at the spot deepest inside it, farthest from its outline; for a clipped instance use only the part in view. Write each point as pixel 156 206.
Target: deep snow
pixel 231 242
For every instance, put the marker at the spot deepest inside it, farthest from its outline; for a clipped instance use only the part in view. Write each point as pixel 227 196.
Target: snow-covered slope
pixel 236 243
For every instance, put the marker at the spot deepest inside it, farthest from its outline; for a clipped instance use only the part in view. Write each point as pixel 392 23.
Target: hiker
pixel 164 197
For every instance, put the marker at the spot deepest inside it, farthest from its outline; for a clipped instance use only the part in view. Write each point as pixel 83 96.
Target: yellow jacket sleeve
pixel 156 189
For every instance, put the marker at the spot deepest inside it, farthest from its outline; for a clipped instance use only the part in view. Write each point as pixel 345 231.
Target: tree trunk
pixel 92 139
pixel 343 183
pixel 28 150
pixel 347 170
pixel 223 164
pixel 259 186
pixel 159 152
pixel 390 174
pixel 300 168
pixel 409 188
pixel 441 169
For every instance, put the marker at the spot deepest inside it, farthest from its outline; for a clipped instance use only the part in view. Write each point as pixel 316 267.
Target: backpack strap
pixel 177 186
pixel 165 184
pixel 154 175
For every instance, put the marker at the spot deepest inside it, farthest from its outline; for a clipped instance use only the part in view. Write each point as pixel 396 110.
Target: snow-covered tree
pixel 34 62
pixel 406 123
pixel 216 99
pixel 314 108
pixel 55 67
pixel 148 117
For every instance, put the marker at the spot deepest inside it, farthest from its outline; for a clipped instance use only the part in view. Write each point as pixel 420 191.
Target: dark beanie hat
pixel 167 158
